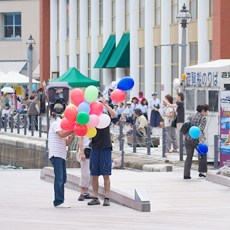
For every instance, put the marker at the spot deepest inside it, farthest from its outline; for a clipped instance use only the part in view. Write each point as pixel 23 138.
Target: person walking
pixel 154 105
pixel 171 137
pixel 33 110
pixel 199 120
pixel 57 155
pixel 83 155
pixel 179 105
pixel 100 160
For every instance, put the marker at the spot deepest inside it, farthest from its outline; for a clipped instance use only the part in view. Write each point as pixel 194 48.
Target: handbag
pixel 174 123
pixel 87 152
pixel 185 127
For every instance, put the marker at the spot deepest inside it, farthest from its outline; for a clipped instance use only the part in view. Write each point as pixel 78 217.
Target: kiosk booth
pixel 203 85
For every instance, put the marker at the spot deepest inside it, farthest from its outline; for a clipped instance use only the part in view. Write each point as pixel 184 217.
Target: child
pixel 6 111
pixel 115 120
pixel 120 110
pixel 127 114
pixel 143 106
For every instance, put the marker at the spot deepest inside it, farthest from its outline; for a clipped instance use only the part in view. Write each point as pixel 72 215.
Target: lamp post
pixel 30 43
pixel 184 18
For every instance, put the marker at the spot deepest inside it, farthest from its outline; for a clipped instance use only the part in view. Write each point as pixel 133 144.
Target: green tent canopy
pixel 75 79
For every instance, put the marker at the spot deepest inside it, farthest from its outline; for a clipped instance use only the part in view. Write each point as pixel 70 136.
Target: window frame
pixel 174 64
pixel 89 65
pixel 100 19
pixel 78 17
pixel 57 20
pixel 155 10
pixel 78 62
pixel 89 17
pixel 140 67
pixel 157 65
pixel 172 6
pixel 14 25
pixel 113 17
pixel 196 51
pixel 210 8
pixel 210 50
pixel 140 13
pixel 190 1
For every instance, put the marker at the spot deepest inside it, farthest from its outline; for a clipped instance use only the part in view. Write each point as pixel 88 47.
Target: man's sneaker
pixel 94 201
pixel 81 197
pixel 63 205
pixel 87 196
pixel 106 202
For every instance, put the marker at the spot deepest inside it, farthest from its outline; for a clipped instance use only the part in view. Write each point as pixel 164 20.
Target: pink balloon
pixel 70 114
pixel 77 96
pixel 96 108
pixel 67 125
pixel 93 121
pixel 118 95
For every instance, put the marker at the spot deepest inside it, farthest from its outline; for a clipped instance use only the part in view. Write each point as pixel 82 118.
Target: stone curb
pixel 219 179
pixel 116 196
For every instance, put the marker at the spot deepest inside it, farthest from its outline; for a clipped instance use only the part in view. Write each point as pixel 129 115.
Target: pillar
pixel 53 36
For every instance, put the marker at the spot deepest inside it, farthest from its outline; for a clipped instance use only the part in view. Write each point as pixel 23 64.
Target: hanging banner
pixel 224 128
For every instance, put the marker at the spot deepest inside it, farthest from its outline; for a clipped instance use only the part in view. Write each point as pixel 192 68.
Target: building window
pixel 58 64
pixel 158 70
pixel 127 14
pixel 210 8
pixel 89 65
pixel 78 62
pixel 174 67
pixel 100 16
pixel 78 18
pixel 174 10
pixel 67 19
pixel 101 79
pixel 89 18
pixel 67 62
pixel 113 74
pixel 113 16
pixel 193 53
pixel 12 26
pixel 57 20
pixel 157 12
pixel 141 13
pixel 142 69
pixel 210 51
pixel 193 9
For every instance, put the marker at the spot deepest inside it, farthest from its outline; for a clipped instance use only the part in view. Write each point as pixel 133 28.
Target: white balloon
pixel 104 121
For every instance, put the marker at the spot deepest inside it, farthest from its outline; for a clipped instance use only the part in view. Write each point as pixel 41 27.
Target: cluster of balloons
pixel 85 115
pixel 195 132
pixel 125 84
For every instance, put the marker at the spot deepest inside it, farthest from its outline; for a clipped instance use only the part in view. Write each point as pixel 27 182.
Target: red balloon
pixel 96 108
pixel 77 96
pixel 67 125
pixel 70 114
pixel 80 130
pixel 118 95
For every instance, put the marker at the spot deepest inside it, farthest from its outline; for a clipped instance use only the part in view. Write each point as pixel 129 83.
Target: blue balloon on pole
pixel 125 84
pixel 194 132
pixel 202 149
pixel 83 107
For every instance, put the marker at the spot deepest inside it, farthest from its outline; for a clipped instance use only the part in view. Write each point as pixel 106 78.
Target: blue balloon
pixel 125 84
pixel 202 149
pixel 83 107
pixel 194 132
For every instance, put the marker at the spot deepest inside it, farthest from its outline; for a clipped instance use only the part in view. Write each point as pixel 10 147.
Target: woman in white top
pixel 83 157
pixel 171 136
pixel 128 113
pixel 143 106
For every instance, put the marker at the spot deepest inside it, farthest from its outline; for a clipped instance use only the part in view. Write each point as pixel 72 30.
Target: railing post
pixel 148 140
pixel 12 122
pixel 0 121
pixel 134 139
pixel 47 152
pixel 25 124
pixel 48 124
pixel 40 126
pixel 18 123
pixel 181 146
pixel 164 142
pixel 216 151
pixel 5 122
pixel 121 141
pixel 32 125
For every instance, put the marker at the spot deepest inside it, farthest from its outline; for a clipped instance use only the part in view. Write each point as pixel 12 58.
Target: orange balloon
pixel 74 106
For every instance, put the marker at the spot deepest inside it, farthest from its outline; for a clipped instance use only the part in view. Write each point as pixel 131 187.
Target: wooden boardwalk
pixel 26 203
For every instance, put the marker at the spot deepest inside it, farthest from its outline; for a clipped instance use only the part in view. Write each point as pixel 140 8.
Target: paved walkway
pixel 26 203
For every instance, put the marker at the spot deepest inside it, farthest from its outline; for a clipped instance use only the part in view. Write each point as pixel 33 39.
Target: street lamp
pixel 184 18
pixel 30 43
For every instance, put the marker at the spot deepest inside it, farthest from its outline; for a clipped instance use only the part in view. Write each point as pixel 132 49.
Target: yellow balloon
pixel 74 106
pixel 92 132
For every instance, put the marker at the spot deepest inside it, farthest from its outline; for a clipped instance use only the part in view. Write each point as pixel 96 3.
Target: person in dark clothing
pixel 33 110
pixel 100 159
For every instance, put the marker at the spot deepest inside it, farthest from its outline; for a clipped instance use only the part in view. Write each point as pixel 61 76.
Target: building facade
pixel 18 19
pixel 82 32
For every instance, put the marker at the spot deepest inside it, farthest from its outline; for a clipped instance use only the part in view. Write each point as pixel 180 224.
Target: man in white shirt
pixel 57 155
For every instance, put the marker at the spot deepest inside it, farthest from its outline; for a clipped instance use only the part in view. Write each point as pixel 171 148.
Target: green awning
pixel 106 53
pixel 121 55
pixel 75 79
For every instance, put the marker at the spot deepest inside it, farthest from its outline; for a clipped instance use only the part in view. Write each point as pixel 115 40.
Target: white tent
pixel 13 77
